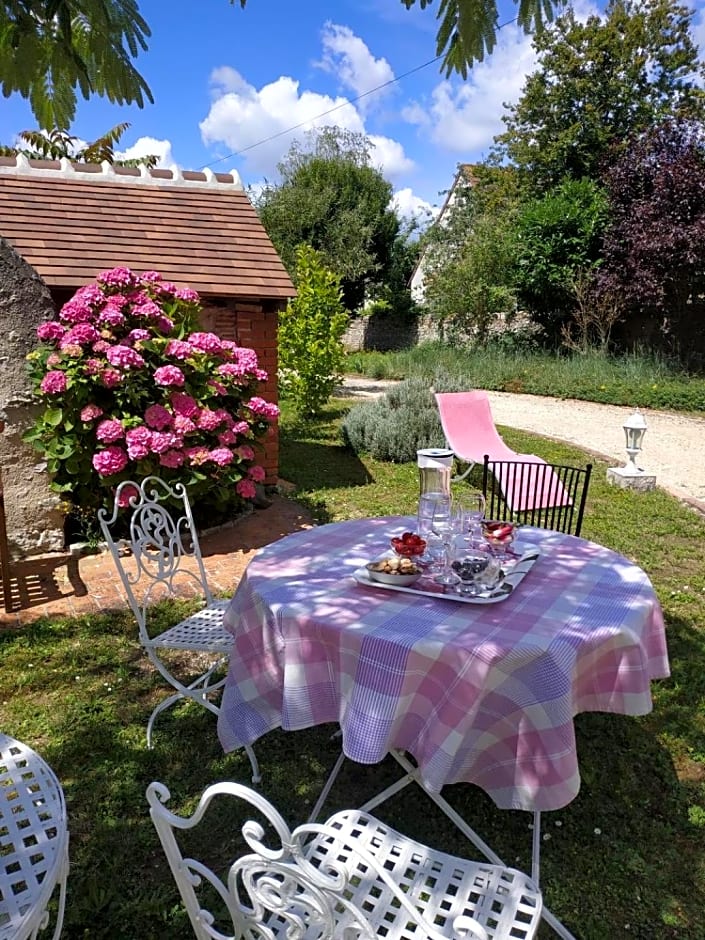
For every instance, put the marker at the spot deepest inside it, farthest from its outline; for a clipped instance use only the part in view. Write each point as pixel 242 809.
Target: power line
pixel 295 127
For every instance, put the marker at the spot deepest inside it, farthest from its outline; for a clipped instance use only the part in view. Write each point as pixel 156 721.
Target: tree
pixel 468 256
pixel 57 144
pixel 311 353
pixel 557 241
pixel 599 83
pixel 331 198
pixel 654 249
pixel 50 49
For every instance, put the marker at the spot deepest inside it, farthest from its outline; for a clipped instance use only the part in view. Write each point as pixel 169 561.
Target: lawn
pixel 625 859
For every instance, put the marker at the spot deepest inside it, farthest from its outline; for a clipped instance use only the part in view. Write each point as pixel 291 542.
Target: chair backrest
pixel 466 419
pixel 164 558
pixel 549 496
pixel 319 878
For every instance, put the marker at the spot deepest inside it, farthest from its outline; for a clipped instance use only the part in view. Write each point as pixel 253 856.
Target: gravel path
pixel 674 445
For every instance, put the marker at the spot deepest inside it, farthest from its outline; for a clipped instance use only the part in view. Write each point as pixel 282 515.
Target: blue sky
pixel 228 82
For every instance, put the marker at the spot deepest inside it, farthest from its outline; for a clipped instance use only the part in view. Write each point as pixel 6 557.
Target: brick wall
pixel 252 324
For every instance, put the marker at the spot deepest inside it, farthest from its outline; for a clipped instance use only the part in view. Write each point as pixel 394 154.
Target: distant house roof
pixel 71 221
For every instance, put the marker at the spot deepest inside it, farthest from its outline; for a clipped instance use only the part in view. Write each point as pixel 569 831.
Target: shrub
pixel 311 353
pixel 130 389
pixel 395 426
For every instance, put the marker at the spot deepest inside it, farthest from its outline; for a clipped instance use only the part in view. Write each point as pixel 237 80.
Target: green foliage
pixel 55 144
pixel 557 236
pixel 311 353
pixel 467 258
pixel 50 49
pixel 631 379
pixel 395 426
pixel 332 198
pixel 598 83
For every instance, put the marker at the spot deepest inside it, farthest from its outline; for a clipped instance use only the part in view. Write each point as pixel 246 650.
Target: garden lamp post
pixel 632 476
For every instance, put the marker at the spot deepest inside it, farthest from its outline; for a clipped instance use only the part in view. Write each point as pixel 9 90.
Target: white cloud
pixel 464 118
pixel 389 156
pixel 241 115
pixel 346 56
pixel 410 206
pixel 146 146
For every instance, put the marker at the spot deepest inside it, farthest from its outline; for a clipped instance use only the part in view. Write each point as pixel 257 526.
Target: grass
pixel 628 859
pixel 637 380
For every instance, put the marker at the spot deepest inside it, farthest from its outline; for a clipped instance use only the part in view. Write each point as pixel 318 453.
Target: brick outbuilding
pixel 198 229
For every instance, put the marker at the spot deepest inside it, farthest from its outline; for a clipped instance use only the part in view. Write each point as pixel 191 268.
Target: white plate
pixel 427 587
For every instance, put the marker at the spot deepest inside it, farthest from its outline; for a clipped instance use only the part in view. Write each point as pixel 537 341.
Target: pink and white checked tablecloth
pixel 481 694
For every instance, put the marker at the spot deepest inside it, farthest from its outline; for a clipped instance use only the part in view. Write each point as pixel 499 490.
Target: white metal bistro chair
pixel 165 561
pixel 34 843
pixel 350 877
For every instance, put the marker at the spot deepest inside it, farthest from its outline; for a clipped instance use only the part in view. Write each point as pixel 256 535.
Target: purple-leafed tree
pixel 654 249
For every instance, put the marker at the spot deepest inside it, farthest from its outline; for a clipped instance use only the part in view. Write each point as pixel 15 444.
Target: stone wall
pixel 34 524
pixel 253 324
pixel 387 331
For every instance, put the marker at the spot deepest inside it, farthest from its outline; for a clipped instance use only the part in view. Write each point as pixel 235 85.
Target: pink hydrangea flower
pixel 109 431
pixel 246 358
pixel 206 342
pixel 245 452
pixel 169 375
pixel 227 437
pixel 208 420
pixel 187 295
pixel 90 294
pixel 222 456
pixel 110 378
pixel 139 442
pixel 184 405
pixel 178 349
pixel 147 309
pixel 183 425
pixel 48 332
pixel 101 346
pixel 117 277
pixel 136 336
pixel 54 383
pixel 111 316
pixel 90 413
pixel 151 277
pixel 172 458
pixel 164 324
pixel 156 416
pixel 197 455
pixel 161 442
pixel 126 494
pixel 246 489
pixel 111 460
pixel 123 357
pixel 261 407
pixel 92 366
pixel 80 335
pixel 53 360
pixel 240 427
pixel 256 473
pixel 217 387
pixel 72 349
pixel 76 311
pixel 232 370
pixel 261 375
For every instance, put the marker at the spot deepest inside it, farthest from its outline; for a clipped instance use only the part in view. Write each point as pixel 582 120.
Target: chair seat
pixel 202 631
pixel 442 887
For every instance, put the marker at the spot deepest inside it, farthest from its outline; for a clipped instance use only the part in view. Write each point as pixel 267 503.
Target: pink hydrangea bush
pixel 132 387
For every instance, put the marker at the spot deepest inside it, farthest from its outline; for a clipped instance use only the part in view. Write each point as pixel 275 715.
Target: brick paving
pixel 66 586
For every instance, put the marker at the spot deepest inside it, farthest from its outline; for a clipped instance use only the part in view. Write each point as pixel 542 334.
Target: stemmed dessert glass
pixel 444 527
pixel 470 510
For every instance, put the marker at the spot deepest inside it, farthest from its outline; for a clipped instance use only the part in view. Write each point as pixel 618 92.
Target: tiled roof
pixel 71 221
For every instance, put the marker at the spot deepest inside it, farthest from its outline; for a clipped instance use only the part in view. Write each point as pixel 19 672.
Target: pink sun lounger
pixel 470 432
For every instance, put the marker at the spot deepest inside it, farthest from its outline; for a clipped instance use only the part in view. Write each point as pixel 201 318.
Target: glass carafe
pixel 435 468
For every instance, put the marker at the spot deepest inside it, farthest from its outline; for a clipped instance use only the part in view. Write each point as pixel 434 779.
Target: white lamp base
pixel 630 478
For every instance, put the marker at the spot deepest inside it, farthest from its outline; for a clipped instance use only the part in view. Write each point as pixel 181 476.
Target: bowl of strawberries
pixel 409 545
pixel 500 535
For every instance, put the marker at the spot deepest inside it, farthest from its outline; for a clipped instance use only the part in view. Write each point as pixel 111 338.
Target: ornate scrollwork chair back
pixel 161 557
pixel 348 878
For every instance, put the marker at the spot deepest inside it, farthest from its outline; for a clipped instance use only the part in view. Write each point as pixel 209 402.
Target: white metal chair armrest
pixel 352 876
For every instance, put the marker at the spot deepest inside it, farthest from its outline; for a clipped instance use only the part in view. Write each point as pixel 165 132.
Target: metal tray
pixel 512 578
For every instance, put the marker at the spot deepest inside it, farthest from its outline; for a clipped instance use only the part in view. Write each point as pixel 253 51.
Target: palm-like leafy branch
pixel 55 144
